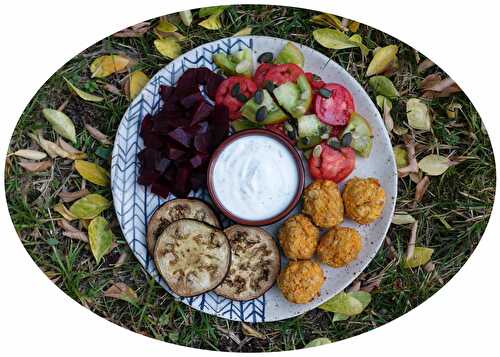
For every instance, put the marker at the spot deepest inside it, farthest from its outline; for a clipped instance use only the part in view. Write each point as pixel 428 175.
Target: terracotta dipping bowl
pixel 300 174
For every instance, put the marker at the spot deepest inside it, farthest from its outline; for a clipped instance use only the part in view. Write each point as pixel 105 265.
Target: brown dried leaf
pixel 36 166
pixel 430 80
pixel 123 257
pixel 67 147
pixel 421 188
pixel 137 30
pixel 112 89
pixel 425 65
pixel 96 134
pixel 67 196
pixel 250 331
pixel 72 232
pixel 30 154
pixel 434 86
pixel 64 211
pixel 413 165
pixel 388 121
pixel 123 292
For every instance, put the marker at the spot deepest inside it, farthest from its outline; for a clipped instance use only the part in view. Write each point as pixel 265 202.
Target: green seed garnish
pixel 261 114
pixel 235 90
pixel 242 98
pixel 347 139
pixel 266 57
pixel 259 96
pixel 325 93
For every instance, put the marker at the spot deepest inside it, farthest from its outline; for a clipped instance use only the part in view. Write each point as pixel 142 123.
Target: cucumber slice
pixel 308 142
pixel 243 124
pixel 295 97
pixel 274 113
pixel 238 63
pixel 290 54
pixel 361 134
pixel 310 125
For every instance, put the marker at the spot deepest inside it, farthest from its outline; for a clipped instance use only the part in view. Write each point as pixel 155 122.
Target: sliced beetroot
pixel 148 177
pixel 220 124
pixel 147 124
pixel 212 85
pixel 166 92
pixel 198 160
pixel 153 140
pixel 202 142
pixel 162 164
pixel 181 136
pixel 148 157
pixel 187 83
pixel 200 128
pixel 161 188
pixel 181 185
pixel 198 179
pixel 176 154
pixel 192 99
pixel 202 112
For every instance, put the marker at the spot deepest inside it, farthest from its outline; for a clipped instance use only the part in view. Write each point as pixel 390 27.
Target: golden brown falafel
pixel 323 203
pixel 298 237
pixel 339 246
pixel 301 281
pixel 364 199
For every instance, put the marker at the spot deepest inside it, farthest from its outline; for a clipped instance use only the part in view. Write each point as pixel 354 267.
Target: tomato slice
pixel 223 95
pixel 282 73
pixel 315 83
pixel 280 130
pixel 337 109
pixel 332 164
pixel 260 73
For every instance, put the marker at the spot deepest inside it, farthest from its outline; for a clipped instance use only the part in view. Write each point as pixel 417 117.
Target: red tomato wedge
pixel 315 83
pixel 260 73
pixel 332 164
pixel 282 73
pixel 224 97
pixel 337 109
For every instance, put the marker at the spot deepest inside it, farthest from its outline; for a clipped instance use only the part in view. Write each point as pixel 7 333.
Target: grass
pixel 452 216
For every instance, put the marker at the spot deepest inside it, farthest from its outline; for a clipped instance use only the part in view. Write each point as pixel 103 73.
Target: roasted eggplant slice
pixel 192 257
pixel 255 263
pixel 174 210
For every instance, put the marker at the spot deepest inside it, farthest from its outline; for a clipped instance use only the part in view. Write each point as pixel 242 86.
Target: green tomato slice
pixel 238 63
pixel 290 54
pixel 274 113
pixel 361 134
pixel 295 97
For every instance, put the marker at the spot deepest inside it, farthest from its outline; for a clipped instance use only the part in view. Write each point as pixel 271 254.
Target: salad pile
pixel 318 117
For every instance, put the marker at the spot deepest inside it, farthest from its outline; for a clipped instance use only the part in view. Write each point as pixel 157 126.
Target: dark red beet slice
pixel 191 100
pixel 175 154
pixel 181 136
pixel 212 85
pixel 220 124
pixel 152 140
pixel 198 160
pixel 202 143
pixel 162 164
pixel 147 124
pixel 202 112
pixel 148 177
pixel 181 186
pixel 166 92
pixel 187 83
pixel 161 188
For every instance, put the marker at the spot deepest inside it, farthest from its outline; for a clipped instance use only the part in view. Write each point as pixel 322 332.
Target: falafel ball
pixel 323 203
pixel 298 237
pixel 364 199
pixel 301 281
pixel 339 246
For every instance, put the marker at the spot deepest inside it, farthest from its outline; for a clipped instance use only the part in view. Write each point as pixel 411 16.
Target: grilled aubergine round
pixel 192 257
pixel 174 210
pixel 255 263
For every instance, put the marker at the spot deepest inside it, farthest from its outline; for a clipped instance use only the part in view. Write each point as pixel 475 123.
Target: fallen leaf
pixel 211 10
pixel 72 153
pixel 318 342
pixel 359 40
pixel 421 188
pixel 104 66
pixel 334 39
pixel 112 89
pixel 425 65
pixel 344 303
pixel 245 31
pixel 382 59
pixel 123 292
pixel 381 101
pixel 61 123
pixel 250 331
pixel 440 86
pixel 211 23
pixel 412 161
pixel 63 211
pixel 36 166
pixel 328 20
pixel 71 232
pixel 452 110
pixel 92 172
pixel 401 156
pixel 388 121
pixel 434 86
pixel 96 134
pixel 354 26
pixel 402 219
pixel 121 260
pixel 90 206
pixel 186 17
pixel 434 165
pixel 67 196
pixel 137 30
pixel 165 26
pixel 418 114
pixel 100 238
pixel 420 256
pixel 30 154
pixel 82 94
pixel 168 47
pixel 399 130
pixel 382 85
pixel 430 80
pixel 413 239
pixel 134 83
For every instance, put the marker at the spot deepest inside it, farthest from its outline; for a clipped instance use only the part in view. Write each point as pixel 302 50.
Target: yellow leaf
pixel 434 165
pixel 402 219
pixel 354 26
pixel 421 256
pixel 328 20
pixel 90 206
pixel 186 17
pixel 168 47
pixel 106 65
pixel 245 31
pixel 61 123
pixel 82 94
pixel 100 238
pixel 212 22
pixel 63 211
pixel 318 342
pixel 337 40
pixel 418 114
pixel 165 26
pixel 382 60
pixel 92 172
pixel 136 81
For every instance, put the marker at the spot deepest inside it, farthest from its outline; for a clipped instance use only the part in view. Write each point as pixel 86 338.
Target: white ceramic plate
pixel 134 204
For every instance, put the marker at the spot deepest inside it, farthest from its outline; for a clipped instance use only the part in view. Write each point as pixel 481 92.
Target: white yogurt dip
pixel 255 177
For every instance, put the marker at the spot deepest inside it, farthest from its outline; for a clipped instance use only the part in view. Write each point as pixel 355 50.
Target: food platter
pixel 135 204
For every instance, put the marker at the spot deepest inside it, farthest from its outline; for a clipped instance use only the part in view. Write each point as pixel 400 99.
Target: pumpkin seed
pixel 334 143
pixel 261 114
pixel 317 151
pixel 266 57
pixel 347 139
pixel 269 85
pixel 290 131
pixel 259 96
pixel 325 93
pixel 242 98
pixel 235 90
pixel 306 140
pixel 316 77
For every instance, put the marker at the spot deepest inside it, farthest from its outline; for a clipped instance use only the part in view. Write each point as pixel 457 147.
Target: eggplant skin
pixel 174 210
pixel 192 257
pixel 255 264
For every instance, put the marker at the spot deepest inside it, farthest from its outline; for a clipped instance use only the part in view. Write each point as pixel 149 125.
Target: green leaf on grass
pixel 100 237
pixel 82 94
pixel 211 23
pixel 92 172
pixel 343 303
pixel 401 156
pixel 334 39
pixel 318 342
pixel 61 123
pixel 90 206
pixel 403 219
pixel 434 165
pixel 382 85
pixel 211 10
pixel 421 255
pixel 382 59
